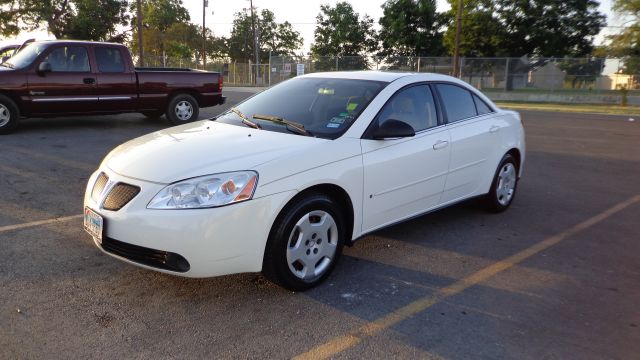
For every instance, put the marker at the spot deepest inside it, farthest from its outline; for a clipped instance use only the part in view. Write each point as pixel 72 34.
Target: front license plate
pixel 93 223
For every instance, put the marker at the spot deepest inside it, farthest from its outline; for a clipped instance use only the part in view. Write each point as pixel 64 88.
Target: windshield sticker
pixel 323 91
pixel 337 120
pixel 333 125
pixel 351 106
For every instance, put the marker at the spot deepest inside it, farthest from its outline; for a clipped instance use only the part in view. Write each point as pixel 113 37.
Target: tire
pixel 503 186
pixel 305 243
pixel 153 114
pixel 182 109
pixel 9 114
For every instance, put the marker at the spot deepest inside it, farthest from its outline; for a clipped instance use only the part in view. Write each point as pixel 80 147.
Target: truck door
pixel 70 86
pixel 117 90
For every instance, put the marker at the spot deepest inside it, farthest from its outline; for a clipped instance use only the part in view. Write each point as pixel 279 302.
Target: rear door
pixel 69 88
pixel 116 81
pixel 474 141
pixel 405 177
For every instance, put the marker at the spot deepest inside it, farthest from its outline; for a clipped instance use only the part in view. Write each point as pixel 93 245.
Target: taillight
pixel 220 82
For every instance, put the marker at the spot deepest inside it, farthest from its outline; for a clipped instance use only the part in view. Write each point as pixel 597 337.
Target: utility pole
pixel 255 37
pixel 140 50
pixel 456 53
pixel 205 3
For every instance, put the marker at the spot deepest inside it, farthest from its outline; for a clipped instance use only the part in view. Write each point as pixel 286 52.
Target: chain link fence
pixel 574 80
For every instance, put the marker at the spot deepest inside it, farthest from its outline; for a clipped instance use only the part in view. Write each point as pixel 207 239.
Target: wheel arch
pixel 196 95
pixel 16 100
pixel 515 152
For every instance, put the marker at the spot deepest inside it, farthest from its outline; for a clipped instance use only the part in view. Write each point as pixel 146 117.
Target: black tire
pixel 9 114
pixel 153 115
pixel 499 197
pixel 176 116
pixel 314 245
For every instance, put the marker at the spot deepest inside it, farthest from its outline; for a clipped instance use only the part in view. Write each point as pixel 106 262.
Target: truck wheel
pixel 8 115
pixel 183 108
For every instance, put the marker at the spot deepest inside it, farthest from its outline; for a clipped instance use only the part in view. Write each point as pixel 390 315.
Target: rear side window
pixel 481 106
pixel 458 102
pixel 109 60
pixel 69 59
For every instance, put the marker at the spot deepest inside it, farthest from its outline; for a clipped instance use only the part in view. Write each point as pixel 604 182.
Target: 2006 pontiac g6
pixel 281 182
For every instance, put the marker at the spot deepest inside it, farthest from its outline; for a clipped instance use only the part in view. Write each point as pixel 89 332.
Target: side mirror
pixel 44 67
pixel 392 128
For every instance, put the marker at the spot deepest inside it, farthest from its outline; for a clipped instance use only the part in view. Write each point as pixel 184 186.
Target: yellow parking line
pixel 341 343
pixel 38 223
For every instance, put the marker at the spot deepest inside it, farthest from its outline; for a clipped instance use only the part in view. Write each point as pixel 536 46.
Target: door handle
pixel 89 81
pixel 440 144
pixel 494 129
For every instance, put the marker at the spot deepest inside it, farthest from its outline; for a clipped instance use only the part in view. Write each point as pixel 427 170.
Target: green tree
pixel 276 38
pixel 410 28
pixel 9 13
pixel 340 32
pixel 482 33
pixel 75 19
pixel 549 28
pixel 626 44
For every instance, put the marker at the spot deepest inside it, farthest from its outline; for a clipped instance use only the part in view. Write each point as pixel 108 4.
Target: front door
pixel 405 177
pixel 69 88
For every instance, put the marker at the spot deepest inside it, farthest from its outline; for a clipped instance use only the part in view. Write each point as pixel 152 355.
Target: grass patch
pixel 574 108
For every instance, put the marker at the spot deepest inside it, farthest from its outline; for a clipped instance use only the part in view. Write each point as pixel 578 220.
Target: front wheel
pixel 8 115
pixel 182 109
pixel 503 187
pixel 305 243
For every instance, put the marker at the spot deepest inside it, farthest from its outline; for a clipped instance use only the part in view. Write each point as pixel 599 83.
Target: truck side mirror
pixel 44 67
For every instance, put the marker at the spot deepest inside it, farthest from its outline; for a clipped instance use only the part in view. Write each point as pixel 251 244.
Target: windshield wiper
pixel 291 125
pixel 245 119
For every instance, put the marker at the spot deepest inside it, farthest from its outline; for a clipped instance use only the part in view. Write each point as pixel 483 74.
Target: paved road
pixel 555 277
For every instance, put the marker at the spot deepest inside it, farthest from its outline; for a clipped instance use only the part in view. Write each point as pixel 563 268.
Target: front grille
pixel 119 196
pixel 155 258
pixel 98 187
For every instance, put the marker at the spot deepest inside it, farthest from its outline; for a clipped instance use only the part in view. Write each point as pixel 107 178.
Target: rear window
pixel 109 60
pixel 458 102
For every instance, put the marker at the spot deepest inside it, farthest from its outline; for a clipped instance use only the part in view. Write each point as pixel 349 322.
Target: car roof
pixel 75 42
pixel 375 75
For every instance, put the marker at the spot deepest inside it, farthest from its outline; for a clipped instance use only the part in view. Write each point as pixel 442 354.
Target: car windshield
pixel 325 107
pixel 26 56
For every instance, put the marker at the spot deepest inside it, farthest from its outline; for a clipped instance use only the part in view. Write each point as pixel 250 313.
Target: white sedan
pixel 283 181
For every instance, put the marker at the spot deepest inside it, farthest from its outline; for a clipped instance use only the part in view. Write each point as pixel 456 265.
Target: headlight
pixel 207 191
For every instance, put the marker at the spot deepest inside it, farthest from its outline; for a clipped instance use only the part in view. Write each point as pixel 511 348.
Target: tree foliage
pixel 75 19
pixel 340 31
pixel 483 35
pixel 276 38
pixel 626 44
pixel 9 12
pixel 411 28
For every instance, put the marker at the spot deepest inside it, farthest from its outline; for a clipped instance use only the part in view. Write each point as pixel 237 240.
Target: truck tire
pixel 9 114
pixel 182 109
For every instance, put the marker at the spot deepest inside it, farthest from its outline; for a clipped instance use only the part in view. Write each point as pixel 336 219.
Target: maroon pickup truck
pixel 54 78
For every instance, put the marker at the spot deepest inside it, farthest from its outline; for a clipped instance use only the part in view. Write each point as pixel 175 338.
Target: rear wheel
pixel 305 243
pixel 504 185
pixel 8 115
pixel 182 109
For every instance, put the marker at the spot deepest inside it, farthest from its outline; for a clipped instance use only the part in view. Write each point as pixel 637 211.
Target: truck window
pixel 69 59
pixel 109 60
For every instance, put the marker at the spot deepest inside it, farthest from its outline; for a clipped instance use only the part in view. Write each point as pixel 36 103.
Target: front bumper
pixel 216 241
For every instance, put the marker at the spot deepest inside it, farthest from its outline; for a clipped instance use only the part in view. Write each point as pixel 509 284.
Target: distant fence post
pixel 506 74
pixel 336 63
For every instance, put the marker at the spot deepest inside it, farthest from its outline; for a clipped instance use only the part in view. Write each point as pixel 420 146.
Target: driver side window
pixel 69 59
pixel 413 105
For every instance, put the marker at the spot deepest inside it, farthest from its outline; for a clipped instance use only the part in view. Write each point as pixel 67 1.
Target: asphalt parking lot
pixel 555 277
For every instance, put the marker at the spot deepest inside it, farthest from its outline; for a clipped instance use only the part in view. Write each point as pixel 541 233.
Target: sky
pixel 302 15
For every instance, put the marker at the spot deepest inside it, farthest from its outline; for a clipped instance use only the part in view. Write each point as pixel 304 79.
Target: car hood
pixel 201 148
